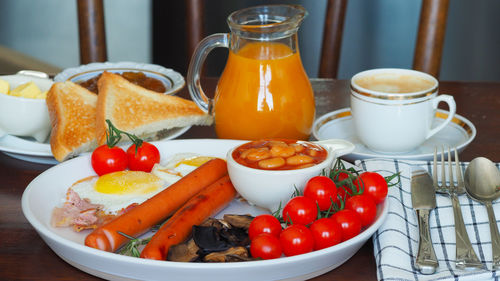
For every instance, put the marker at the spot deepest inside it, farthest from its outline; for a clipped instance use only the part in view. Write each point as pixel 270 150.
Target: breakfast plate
pixel 48 191
pixel 338 125
pixel 28 149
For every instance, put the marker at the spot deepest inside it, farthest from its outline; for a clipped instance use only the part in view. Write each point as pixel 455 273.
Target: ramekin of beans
pixel 267 172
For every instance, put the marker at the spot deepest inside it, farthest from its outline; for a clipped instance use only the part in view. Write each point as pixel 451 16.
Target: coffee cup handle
pixel 452 107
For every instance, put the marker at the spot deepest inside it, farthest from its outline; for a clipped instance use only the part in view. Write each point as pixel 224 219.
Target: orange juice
pixel 264 92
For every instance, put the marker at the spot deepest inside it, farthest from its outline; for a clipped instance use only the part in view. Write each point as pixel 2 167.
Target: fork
pixel 465 255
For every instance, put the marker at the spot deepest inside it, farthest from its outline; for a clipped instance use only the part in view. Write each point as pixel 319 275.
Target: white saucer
pixel 338 124
pixel 27 149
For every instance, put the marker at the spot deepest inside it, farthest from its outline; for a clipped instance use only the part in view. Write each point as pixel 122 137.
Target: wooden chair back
pixel 91 31
pixel 93 37
pixel 428 48
pixel 430 38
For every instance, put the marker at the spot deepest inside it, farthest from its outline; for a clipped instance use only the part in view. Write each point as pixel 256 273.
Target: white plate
pixel 172 80
pixel 338 125
pixel 48 190
pixel 28 149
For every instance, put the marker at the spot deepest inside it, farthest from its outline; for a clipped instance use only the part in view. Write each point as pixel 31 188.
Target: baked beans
pixel 279 154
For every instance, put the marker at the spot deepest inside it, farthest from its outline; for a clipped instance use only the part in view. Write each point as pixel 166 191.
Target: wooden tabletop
pixel 24 256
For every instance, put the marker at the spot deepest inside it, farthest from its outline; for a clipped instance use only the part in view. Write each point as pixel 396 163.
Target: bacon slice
pixel 81 213
pixel 77 212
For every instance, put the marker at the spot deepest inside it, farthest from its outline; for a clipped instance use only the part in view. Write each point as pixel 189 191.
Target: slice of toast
pixel 72 111
pixel 141 112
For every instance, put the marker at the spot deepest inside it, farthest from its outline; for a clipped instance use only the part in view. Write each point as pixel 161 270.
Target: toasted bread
pixel 72 111
pixel 141 112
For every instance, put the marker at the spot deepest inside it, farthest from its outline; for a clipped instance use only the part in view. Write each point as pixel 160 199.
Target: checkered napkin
pixel 396 241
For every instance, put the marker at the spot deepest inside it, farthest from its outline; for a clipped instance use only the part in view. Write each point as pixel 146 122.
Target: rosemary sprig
pixel 132 247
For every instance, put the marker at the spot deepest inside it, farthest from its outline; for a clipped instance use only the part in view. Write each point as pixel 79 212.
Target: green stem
pixel 114 136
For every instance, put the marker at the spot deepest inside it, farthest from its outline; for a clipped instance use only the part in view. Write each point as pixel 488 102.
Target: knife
pixel 423 198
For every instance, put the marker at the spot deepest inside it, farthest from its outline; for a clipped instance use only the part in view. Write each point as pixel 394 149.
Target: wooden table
pixel 24 256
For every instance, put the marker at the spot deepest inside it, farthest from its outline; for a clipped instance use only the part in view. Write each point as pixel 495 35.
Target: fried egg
pixel 118 190
pixel 178 166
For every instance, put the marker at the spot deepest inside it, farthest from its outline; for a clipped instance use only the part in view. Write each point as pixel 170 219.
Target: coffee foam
pixel 394 83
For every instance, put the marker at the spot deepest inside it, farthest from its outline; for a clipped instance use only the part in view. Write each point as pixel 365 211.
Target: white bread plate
pixel 172 80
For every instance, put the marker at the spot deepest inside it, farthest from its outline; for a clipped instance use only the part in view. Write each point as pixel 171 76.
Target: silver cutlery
pixel 465 255
pixel 482 183
pixel 423 198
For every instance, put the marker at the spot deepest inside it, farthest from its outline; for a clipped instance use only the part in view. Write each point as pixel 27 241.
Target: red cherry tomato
pixel 349 222
pixel 300 210
pixel 374 185
pixel 326 232
pixel 322 190
pixel 107 159
pixel 264 224
pixel 344 190
pixel 364 206
pixel 146 156
pixel 265 246
pixel 296 239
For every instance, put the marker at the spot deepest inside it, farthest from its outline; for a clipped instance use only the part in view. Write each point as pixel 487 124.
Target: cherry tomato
pixel 265 246
pixel 322 190
pixel 364 206
pixel 144 159
pixel 345 191
pixel 349 222
pixel 300 210
pixel 296 239
pixel 374 185
pixel 326 232
pixel 107 159
pixel 264 224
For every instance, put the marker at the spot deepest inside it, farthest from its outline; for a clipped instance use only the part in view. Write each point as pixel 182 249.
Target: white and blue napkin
pixel 396 241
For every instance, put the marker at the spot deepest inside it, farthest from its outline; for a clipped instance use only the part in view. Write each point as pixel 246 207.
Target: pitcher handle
pixel 193 76
pixel 452 107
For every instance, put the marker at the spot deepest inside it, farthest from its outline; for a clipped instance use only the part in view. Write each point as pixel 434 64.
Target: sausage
pixel 178 228
pixel 144 216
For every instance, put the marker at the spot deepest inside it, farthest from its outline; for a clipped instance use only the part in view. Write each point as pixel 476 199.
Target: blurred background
pixel 377 33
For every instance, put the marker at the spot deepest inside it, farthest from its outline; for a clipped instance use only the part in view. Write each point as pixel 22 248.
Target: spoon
pixel 482 183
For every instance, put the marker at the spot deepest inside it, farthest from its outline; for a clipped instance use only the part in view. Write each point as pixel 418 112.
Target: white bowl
pixel 172 80
pixel 272 189
pixel 25 116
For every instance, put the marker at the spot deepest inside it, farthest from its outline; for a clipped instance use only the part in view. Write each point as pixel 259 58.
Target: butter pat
pixel 4 87
pixel 28 90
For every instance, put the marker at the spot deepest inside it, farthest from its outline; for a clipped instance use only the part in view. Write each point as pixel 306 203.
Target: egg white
pixel 178 166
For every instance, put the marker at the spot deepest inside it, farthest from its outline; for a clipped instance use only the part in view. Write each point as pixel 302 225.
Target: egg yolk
pixel 128 182
pixel 195 161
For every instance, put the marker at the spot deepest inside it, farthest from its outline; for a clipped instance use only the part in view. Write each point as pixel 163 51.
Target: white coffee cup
pixel 393 109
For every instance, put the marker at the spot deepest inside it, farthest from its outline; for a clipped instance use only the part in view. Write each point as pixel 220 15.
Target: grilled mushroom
pixel 208 240
pixel 230 255
pixel 186 252
pixel 216 240
pixel 219 224
pixel 241 221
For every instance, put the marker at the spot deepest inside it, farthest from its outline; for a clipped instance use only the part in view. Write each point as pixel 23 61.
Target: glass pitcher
pixel 264 91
